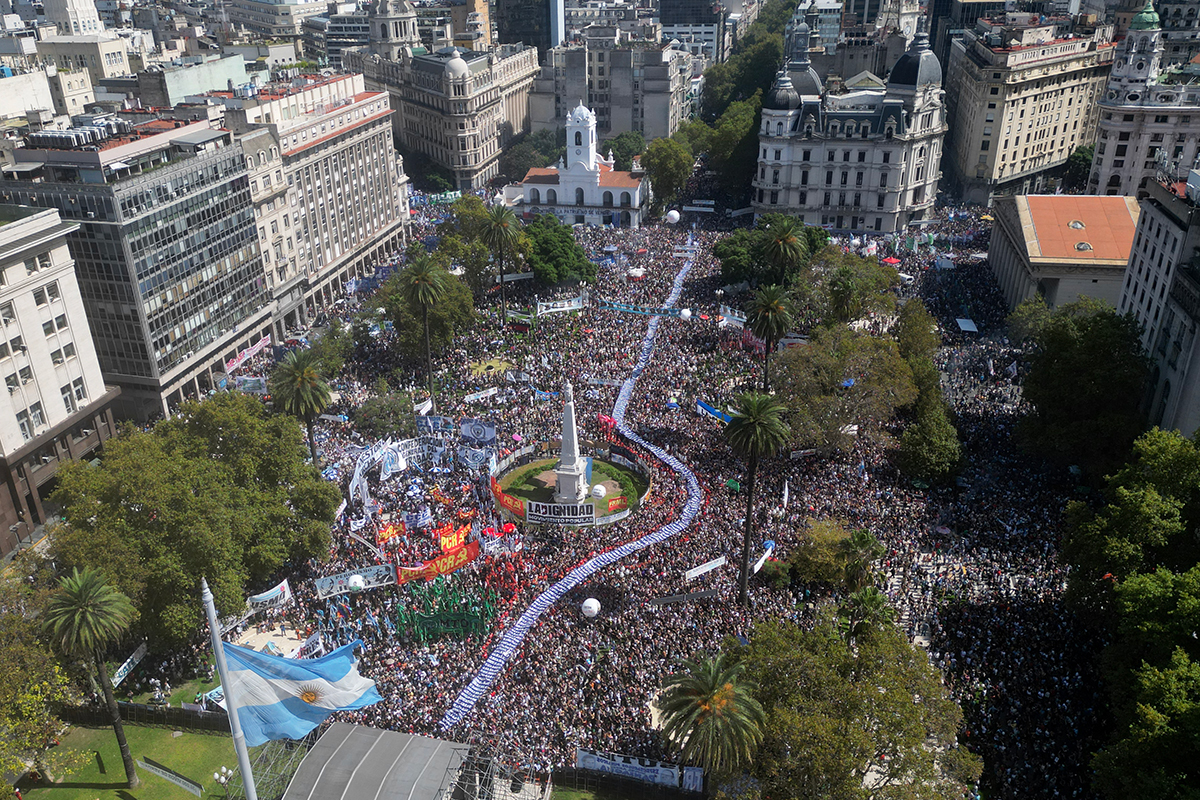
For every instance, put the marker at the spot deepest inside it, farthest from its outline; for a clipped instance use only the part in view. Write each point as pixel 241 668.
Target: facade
pixel 1149 116
pixel 328 189
pixel 71 92
pixel 165 249
pixel 271 19
pixel 58 408
pixel 1162 289
pixel 73 17
pixel 102 56
pixel 953 18
pixel 1181 30
pixel 697 20
pixel 459 108
pixel 536 23
pixel 1026 96
pixel 584 188
pixel 167 85
pixel 1061 247
pixel 865 160
pixel 631 86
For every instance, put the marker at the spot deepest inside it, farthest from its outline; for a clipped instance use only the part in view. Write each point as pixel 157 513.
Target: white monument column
pixel 571 473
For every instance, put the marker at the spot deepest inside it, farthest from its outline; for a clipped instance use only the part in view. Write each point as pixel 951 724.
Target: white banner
pixel 708 566
pixel 475 396
pixel 424 408
pixel 561 513
pixel 640 769
pixel 558 306
pixel 763 559
pixel 373 577
pixel 272 598
pixel 134 659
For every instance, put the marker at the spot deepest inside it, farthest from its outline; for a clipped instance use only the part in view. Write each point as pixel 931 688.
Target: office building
pixel 1061 247
pixel 866 159
pixel 343 26
pixel 534 23
pixel 953 18
pixel 1149 115
pixel 1181 30
pixel 73 17
pixel 274 20
pixel 167 85
pixel 165 251
pixel 59 409
pixel 584 189
pixel 631 85
pixel 103 56
pixel 697 20
pixel 1027 94
pixel 459 108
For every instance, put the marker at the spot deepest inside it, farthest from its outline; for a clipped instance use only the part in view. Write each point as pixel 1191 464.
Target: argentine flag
pixel 285 698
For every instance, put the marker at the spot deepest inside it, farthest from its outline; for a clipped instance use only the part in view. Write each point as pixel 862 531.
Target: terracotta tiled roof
pixel 542 175
pixel 609 177
pixel 1081 228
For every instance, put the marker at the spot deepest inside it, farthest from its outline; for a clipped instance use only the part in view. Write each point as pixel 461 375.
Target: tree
pixel 820 554
pixel 221 489
pixel 694 135
pixel 786 247
pixel 1028 320
pixel 332 347
pixel 1079 167
pixel 1085 384
pixel 423 285
pixel 929 450
pixel 389 415
pixel 554 255
pixel 624 147
pixel 865 611
pixel 916 331
pixel 842 378
pixel 755 432
pixel 733 148
pixel 769 317
pixel 669 165
pixel 745 254
pixel 859 551
pixel 297 388
pixel 453 314
pixel 83 619
pixel 500 233
pixel 517 160
pixel 835 713
pixel 710 716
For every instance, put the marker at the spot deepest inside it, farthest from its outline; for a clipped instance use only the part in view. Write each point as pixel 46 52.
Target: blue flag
pixel 285 698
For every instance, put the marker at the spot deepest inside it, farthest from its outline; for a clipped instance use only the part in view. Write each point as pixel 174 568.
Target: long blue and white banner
pixel 711 411
pixel 650 311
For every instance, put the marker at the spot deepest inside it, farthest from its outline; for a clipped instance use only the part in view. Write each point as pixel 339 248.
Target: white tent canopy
pixel 966 326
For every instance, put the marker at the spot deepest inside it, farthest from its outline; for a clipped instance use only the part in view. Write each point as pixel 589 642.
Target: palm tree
pixel 843 294
pixel 769 317
pixel 861 549
pixel 710 715
pixel 785 247
pixel 756 431
pixel 500 232
pixel 423 283
pixel 865 610
pixel 298 389
pixel 82 618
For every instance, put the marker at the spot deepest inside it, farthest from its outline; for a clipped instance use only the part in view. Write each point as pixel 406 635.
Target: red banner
pixel 514 504
pixel 391 531
pixel 442 565
pixel 455 539
pixel 617 503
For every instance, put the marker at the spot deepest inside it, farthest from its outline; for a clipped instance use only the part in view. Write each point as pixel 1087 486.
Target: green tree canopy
pixel 1085 384
pixel 1079 167
pixel 694 135
pixel 554 255
pixel 916 331
pixel 298 388
pixel 1028 320
pixel 389 415
pixel 669 165
pixel 733 147
pixel 624 147
pixel 769 317
pixel 746 254
pixel 222 489
pixel 929 449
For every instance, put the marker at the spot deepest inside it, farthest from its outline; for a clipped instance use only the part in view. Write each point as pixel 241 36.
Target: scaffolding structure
pixel 492 770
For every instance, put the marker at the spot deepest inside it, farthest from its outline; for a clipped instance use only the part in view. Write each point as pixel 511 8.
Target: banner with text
pixel 651 311
pixel 639 769
pixel 558 306
pixel 561 513
pixel 442 565
pixel 373 577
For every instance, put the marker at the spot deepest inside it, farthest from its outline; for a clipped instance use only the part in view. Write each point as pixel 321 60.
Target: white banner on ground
pixel 708 566
pixel 558 306
pixel 486 393
pixel 171 775
pixel 763 559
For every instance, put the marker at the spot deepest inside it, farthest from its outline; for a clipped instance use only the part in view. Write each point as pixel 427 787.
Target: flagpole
pixel 235 725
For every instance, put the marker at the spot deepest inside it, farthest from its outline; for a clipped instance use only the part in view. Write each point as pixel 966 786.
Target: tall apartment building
pixel 341 27
pixel 58 408
pixel 73 17
pixel 536 23
pixel 1027 94
pixel 274 20
pixel 328 187
pixel 630 86
pixel 1162 290
pixel 1181 30
pixel 459 108
pixel 702 20
pixel 165 250
pixel 1149 116
pixel 864 160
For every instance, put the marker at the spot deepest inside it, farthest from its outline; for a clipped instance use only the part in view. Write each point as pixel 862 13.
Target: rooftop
pixel 1079 228
pixel 614 179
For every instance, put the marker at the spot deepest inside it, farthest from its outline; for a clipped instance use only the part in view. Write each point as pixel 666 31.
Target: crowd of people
pixel 971 568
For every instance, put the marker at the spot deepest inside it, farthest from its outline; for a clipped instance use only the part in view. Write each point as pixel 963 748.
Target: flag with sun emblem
pixel 285 698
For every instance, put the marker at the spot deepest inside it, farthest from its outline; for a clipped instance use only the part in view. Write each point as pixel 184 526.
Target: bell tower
pixel 393 29
pixel 581 139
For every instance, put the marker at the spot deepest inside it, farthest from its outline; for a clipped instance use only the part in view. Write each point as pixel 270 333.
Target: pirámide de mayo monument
pixel 570 484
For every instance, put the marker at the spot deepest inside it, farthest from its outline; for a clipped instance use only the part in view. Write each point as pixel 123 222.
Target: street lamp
pixel 224 777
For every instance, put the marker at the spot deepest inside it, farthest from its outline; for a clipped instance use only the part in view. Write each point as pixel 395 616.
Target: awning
pixel 118 165
pixel 24 166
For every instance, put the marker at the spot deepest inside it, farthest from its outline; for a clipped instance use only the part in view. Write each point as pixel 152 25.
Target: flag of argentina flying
pixel 285 698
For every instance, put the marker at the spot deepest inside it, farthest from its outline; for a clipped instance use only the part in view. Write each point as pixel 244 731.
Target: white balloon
pixel 599 492
pixel 685 313
pixel 591 607
pixel 357 584
pixel 672 216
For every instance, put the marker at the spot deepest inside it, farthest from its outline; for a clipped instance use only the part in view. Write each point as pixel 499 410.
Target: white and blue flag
pixel 284 698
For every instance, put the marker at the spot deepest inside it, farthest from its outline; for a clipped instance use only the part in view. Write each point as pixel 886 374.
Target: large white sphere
pixel 591 607
pixel 598 491
pixel 672 216
pixel 685 313
pixel 357 584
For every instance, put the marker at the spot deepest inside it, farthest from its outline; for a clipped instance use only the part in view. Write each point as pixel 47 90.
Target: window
pixel 48 327
pixel 77 385
pixel 778 155
pixel 985 145
pixel 52 291
pixel 806 155
pixel 37 415
pixel 16 345
pixel 887 158
pixel 68 399
pixel 995 90
pixel 883 181
pixel 69 349
pixel 39 297
pixel 7 314
pixel 774 198
pixel 24 424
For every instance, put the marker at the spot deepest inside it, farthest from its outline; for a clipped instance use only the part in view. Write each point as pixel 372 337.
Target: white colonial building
pixel 867 159
pixel 584 188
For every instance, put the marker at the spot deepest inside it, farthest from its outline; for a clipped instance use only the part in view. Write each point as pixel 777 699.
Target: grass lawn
pixel 565 793
pixel 490 366
pixel 184 693
pixel 521 482
pixel 194 755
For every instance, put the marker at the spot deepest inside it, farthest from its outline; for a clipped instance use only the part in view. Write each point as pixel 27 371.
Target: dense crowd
pixel 971 568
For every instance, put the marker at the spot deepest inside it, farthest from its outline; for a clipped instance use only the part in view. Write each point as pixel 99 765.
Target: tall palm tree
pixel 769 317
pixel 861 549
pixel 865 610
pixel 298 389
pixel 423 283
pixel 756 431
pixel 785 247
pixel 82 618
pixel 710 715
pixel 500 232
pixel 844 294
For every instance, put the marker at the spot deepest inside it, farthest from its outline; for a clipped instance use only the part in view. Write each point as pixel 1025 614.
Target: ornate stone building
pixel 864 160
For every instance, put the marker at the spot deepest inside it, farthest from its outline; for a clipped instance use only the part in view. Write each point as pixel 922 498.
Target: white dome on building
pixel 456 67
